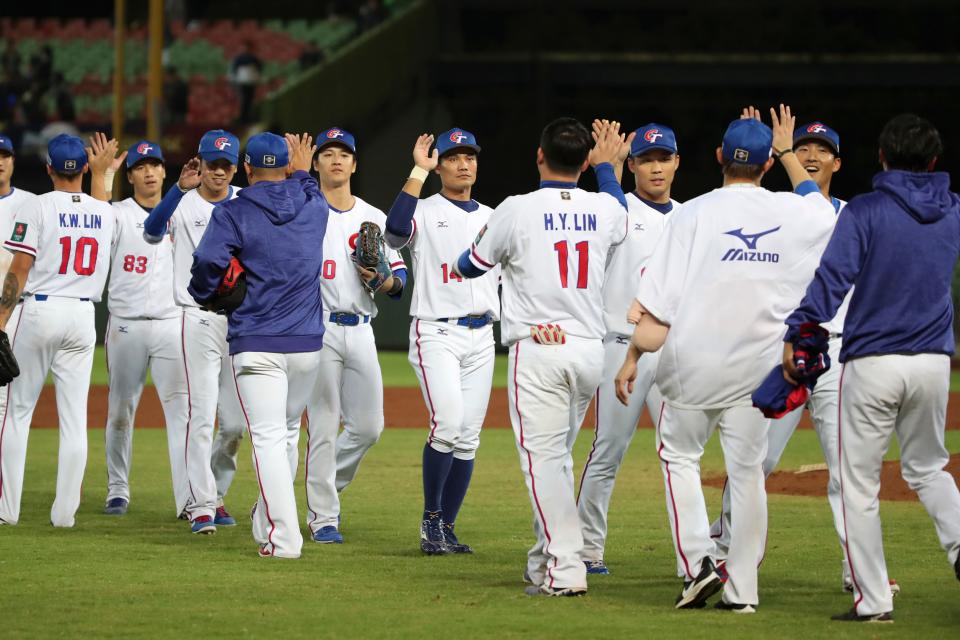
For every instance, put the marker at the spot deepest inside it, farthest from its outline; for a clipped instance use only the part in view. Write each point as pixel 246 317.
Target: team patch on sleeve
pixel 480 235
pixel 19 232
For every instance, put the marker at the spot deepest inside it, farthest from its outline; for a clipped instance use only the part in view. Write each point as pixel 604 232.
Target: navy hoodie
pixel 275 229
pixel 898 245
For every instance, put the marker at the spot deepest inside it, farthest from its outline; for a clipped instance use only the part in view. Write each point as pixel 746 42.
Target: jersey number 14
pixel 583 260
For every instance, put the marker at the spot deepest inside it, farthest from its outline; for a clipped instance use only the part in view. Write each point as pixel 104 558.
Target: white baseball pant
pixel 823 404
pixel 273 390
pixel 132 345
pixel 615 426
pixel 350 387
pixel 549 388
pixel 455 367
pixel 56 334
pixel 880 396
pixel 681 436
pixel 211 392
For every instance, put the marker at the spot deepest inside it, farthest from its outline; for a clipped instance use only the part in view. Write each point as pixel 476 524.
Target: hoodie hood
pixel 925 196
pixel 280 201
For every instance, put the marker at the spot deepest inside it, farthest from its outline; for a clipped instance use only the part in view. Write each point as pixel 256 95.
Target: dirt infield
pixel 405 409
pixel 814 482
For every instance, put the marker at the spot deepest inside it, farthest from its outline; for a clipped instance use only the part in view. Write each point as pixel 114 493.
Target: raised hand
pixel 783 125
pixel 421 153
pixel 101 154
pixel 301 150
pixel 189 175
pixel 608 143
pixel 749 113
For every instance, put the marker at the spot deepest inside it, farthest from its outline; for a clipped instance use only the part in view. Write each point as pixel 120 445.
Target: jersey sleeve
pixel 665 275
pixel 219 243
pixel 25 237
pixel 620 224
pixel 492 244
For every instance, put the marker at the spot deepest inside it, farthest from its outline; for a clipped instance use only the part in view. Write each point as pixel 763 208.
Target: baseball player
pixel 552 245
pixel 143 331
pixel 204 183
pixel 653 160
pixel 817 147
pixel 899 244
pixel 350 383
pixel 277 330
pixel 11 200
pixel 730 265
pixel 61 244
pixel 451 335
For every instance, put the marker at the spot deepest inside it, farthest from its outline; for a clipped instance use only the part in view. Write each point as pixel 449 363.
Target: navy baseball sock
pixel 436 468
pixel 455 490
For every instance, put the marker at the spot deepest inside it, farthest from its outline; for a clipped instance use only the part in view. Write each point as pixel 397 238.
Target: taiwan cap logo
pixel 269 160
pixel 652 135
pixel 457 137
pixel 334 133
pixel 70 165
pixel 143 148
pixel 816 127
pixel 221 143
pixel 741 155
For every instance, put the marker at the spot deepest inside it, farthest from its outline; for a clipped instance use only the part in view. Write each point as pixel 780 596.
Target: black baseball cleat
pixel 696 592
pixel 450 540
pixel 556 592
pixel 432 541
pixel 853 616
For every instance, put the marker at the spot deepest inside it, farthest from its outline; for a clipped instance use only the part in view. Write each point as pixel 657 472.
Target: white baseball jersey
pixel 340 283
pixel 836 324
pixel 626 261
pixel 731 266
pixel 552 245
pixel 69 234
pixel 441 230
pixel 9 205
pixel 141 274
pixel 187 225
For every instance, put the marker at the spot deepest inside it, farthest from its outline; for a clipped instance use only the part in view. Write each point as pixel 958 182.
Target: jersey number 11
pixel 583 258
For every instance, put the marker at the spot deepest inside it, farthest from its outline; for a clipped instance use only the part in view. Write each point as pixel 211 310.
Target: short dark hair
pixel 66 176
pixel 566 143
pixel 910 143
pixel 742 171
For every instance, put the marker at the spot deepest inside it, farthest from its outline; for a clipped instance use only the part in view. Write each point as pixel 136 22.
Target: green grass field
pixel 396 371
pixel 144 575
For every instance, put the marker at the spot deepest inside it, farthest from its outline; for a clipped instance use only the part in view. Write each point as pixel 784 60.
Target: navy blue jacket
pixel 275 229
pixel 897 245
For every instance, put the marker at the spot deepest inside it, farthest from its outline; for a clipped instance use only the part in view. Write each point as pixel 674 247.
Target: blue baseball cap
pixel 653 136
pixel 818 131
pixel 66 154
pixel 267 151
pixel 6 144
pixel 336 135
pixel 747 141
pixel 143 150
pixel 219 144
pixel 456 138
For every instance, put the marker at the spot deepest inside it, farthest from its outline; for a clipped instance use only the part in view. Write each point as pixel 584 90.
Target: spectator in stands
pixel 245 71
pixel 311 57
pixel 372 13
pixel 10 61
pixel 175 96
pixel 63 99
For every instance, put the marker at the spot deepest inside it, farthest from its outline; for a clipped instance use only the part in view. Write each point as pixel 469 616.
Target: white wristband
pixel 108 180
pixel 419 174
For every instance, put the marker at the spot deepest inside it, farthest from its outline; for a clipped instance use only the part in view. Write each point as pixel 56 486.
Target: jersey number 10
pixel 84 259
pixel 583 260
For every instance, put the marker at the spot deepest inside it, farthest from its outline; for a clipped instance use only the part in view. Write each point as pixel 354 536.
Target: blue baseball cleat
pixel 432 541
pixel 450 539
pixel 116 507
pixel 223 519
pixel 596 567
pixel 328 535
pixel 204 525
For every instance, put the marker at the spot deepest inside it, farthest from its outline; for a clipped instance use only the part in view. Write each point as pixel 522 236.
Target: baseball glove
pixel 9 369
pixel 232 289
pixel 371 255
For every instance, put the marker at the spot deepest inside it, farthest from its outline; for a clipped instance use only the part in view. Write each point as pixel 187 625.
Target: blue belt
pixel 41 297
pixel 471 322
pixel 348 319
